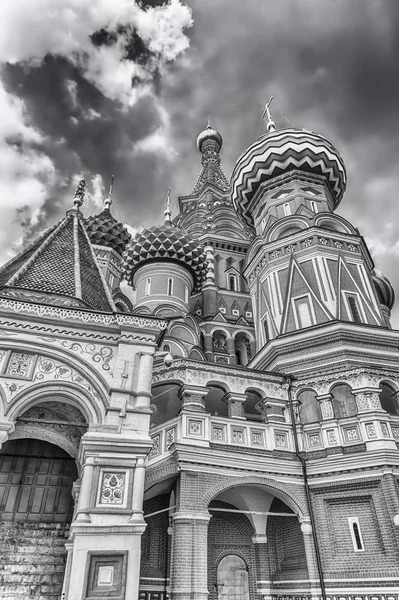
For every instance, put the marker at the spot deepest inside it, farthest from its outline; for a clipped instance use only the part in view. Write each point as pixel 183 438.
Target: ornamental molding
pixel 46 369
pixel 83 316
pixel 356 378
pixel 191 373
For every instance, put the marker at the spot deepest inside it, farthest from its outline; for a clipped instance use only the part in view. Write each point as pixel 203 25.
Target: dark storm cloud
pixel 330 64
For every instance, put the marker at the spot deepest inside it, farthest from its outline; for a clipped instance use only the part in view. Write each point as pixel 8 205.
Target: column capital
pixel 183 515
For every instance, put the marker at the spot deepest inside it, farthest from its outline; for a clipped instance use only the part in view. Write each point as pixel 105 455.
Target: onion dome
pixel 165 243
pixel 209 134
pixel 385 291
pixel 280 151
pixel 104 230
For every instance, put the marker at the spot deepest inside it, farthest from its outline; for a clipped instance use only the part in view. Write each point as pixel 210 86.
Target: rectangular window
pixel 356 534
pixel 170 286
pixel 148 287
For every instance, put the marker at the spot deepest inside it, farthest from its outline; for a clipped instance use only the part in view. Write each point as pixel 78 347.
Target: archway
pixel 36 507
pixel 232 578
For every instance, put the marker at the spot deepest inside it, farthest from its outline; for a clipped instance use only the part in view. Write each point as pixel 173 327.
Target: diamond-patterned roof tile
pixel 104 230
pixel 165 242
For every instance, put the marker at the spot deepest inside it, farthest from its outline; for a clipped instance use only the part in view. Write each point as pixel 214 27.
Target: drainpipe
pixel 289 379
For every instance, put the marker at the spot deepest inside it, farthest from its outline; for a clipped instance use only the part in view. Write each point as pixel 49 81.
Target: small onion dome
pixel 281 151
pixel 209 134
pixel 104 230
pixel 385 291
pixel 165 243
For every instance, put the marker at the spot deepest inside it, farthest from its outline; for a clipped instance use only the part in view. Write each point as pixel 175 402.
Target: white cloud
pixel 159 141
pixel 31 30
pixel 25 173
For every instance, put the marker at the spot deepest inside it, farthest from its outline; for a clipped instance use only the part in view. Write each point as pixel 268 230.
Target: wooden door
pixel 36 482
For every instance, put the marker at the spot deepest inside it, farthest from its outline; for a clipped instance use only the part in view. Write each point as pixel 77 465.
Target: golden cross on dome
pixel 108 201
pixel 270 124
pixel 168 212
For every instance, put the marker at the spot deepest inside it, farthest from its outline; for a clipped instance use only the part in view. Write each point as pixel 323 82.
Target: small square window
pixel 235 312
pixel 222 310
pixel 248 314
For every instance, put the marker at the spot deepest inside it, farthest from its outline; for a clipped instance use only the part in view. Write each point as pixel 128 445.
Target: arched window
pixel 166 348
pixel 343 401
pixel 287 209
pixel 186 294
pixel 148 287
pixel 313 206
pixel 309 407
pixel 354 309
pixel 233 283
pixel 304 315
pixel 120 307
pixel 170 286
pixel 389 399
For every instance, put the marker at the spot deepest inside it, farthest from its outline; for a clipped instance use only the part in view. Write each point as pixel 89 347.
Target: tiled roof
pixel 104 230
pixel 58 268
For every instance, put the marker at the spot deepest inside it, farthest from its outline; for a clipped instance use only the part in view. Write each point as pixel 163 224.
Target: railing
pixel 205 430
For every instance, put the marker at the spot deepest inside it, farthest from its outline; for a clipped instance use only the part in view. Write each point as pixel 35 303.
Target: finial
pixel 108 201
pixel 168 212
pixel 208 123
pixel 80 193
pixel 270 124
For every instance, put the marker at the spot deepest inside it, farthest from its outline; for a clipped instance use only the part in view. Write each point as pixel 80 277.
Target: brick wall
pixel 32 560
pixel 229 533
pixel 286 547
pixel 155 540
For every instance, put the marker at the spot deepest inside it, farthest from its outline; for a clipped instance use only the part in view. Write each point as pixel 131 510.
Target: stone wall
pixel 32 560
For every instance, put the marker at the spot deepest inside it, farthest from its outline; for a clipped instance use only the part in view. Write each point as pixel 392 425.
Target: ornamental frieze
pixel 356 378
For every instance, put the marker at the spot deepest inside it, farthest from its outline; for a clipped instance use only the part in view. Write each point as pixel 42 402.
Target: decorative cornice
pixel 42 310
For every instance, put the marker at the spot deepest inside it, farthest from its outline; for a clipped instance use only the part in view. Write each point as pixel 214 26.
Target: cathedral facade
pixel 228 428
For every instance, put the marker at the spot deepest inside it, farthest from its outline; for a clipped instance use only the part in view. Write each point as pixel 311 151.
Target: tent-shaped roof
pixel 58 268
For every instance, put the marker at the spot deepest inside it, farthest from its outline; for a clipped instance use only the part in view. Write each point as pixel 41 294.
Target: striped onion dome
pixel 281 151
pixel 385 291
pixel 165 243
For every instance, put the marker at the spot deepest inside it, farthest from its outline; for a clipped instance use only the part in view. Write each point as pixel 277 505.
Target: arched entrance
pixel 232 578
pixel 36 507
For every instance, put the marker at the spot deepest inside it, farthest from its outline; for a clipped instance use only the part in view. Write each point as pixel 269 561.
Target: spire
pixel 79 194
pixel 108 201
pixel 270 124
pixel 167 211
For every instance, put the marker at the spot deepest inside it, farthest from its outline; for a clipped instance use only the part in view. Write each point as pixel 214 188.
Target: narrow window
pixel 266 330
pixel 148 287
pixel 233 283
pixel 263 224
pixel 313 206
pixel 186 294
pixel 170 286
pixel 356 534
pixel 303 313
pixel 353 306
pixel 287 209
pixel 166 348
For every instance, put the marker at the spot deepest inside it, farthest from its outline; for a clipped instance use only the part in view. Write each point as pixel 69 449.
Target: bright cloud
pixel 31 30
pixel 25 173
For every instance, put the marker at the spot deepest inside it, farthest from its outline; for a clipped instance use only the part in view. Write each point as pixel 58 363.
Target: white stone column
pixel 138 491
pixel 144 380
pixel 83 512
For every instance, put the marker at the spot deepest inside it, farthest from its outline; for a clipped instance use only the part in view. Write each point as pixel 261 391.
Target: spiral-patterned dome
pixel 209 134
pixel 104 230
pixel 281 151
pixel 165 243
pixel 385 291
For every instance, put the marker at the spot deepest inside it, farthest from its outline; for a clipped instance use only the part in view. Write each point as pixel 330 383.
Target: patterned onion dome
pixel 281 151
pixel 385 291
pixel 209 134
pixel 165 243
pixel 104 230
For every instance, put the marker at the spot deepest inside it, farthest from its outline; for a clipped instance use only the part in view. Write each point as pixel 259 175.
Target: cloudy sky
pixel 100 88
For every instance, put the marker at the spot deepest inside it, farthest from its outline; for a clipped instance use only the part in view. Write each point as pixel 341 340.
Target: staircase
pixel 32 560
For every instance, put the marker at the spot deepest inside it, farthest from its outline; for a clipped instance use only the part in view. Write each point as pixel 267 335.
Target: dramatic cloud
pixel 112 43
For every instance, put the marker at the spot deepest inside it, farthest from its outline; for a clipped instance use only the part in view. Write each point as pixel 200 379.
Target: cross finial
pixel 80 193
pixel 168 212
pixel 108 201
pixel 270 124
